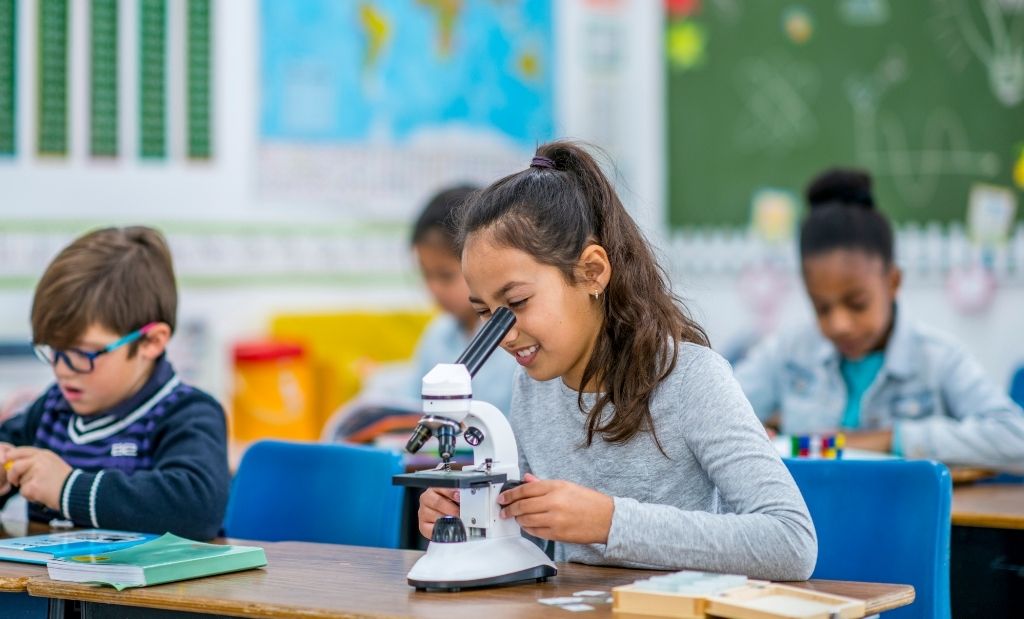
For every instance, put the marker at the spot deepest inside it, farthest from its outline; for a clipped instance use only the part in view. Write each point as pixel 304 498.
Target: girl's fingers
pixel 452 494
pixel 525 507
pixel 532 488
pixel 534 521
pixel 541 532
pixel 439 503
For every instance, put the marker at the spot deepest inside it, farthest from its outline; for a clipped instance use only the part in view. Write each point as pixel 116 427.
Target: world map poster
pixel 376 104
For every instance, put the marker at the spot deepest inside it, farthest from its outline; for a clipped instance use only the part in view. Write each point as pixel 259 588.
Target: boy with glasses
pixel 118 442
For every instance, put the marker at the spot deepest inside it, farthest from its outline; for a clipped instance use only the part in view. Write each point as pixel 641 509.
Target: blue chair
pixel 1017 386
pixel 882 521
pixel 314 492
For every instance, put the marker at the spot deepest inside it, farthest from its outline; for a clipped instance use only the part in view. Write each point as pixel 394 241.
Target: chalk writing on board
pixel 778 94
pixel 997 42
pixel 881 143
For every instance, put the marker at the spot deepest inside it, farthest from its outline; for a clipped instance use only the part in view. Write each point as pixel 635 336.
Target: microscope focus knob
pixel 447 530
pixel 474 436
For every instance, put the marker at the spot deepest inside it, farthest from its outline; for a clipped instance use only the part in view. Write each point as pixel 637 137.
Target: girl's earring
pixel 597 294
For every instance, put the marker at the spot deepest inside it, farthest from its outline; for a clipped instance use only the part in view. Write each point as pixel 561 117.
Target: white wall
pixel 995 337
pixel 45 203
pixel 608 90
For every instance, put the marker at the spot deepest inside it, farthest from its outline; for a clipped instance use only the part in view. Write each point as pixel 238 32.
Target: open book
pixel 166 559
pixel 41 548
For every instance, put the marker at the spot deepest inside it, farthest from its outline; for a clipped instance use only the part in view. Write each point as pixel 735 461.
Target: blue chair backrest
pixel 314 492
pixel 882 521
pixel 1017 386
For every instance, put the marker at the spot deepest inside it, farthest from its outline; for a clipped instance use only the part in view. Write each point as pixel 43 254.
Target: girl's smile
pixel 557 322
pixel 525 356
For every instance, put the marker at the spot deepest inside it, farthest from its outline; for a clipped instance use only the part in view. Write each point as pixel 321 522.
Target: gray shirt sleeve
pixel 765 530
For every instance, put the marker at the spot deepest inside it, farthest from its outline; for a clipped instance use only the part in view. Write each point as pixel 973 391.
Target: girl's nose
pixel 510 338
pixel 840 323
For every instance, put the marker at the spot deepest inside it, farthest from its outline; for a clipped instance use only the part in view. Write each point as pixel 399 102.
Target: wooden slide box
pixel 755 600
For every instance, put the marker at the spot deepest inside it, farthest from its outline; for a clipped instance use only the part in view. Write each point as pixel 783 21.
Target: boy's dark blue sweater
pixel 156 462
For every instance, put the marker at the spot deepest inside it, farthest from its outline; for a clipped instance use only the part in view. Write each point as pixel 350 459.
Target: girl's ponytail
pixel 552 211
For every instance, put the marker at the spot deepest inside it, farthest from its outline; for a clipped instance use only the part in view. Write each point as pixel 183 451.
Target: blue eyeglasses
pixel 84 361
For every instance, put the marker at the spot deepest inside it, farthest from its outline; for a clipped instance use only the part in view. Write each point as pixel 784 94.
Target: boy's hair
pixel 843 216
pixel 552 211
pixel 437 219
pixel 118 278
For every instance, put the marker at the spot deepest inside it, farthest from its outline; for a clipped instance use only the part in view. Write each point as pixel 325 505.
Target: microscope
pixel 478 548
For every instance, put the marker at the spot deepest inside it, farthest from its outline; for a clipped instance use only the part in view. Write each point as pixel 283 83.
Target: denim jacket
pixel 935 396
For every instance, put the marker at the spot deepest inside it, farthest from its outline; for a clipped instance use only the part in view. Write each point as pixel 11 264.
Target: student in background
pixel 433 242
pixel 892 384
pixel 118 442
pixel 637 445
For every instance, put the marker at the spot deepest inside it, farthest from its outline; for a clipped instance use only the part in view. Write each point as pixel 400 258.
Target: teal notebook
pixel 41 548
pixel 167 559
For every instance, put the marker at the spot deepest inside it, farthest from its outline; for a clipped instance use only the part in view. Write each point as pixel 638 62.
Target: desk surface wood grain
pixel 999 506
pixel 323 580
pixel 14 577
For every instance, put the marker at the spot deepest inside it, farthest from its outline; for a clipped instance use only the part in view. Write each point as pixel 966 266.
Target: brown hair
pixel 119 278
pixel 436 222
pixel 552 211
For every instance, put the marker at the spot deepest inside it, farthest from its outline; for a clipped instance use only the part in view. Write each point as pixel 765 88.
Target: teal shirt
pixel 858 376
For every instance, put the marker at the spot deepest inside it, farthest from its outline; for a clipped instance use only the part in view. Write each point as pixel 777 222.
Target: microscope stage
pixel 447 479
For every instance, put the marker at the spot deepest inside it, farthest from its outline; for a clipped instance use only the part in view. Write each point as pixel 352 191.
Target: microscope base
pixel 535 574
pixel 488 562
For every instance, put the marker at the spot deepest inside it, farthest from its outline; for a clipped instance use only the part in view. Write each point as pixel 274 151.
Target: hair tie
pixel 542 162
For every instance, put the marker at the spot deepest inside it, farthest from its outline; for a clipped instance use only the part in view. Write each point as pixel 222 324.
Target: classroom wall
pixel 994 337
pixel 238 254
pixel 741 287
pixel 609 89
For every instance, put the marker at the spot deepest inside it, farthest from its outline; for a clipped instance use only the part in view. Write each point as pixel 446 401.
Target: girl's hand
pixel 559 510
pixel 870 440
pixel 39 474
pixel 434 503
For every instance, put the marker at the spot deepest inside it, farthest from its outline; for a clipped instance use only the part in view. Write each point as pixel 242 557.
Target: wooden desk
pixel 324 580
pixel 14 578
pixel 999 506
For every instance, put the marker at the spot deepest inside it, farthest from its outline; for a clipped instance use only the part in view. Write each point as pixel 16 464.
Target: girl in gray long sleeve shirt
pixel 639 446
pixel 718 499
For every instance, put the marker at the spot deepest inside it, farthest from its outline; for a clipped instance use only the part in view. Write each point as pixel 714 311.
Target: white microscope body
pixel 479 548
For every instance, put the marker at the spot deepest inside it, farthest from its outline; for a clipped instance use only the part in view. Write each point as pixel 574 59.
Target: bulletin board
pixel 383 102
pixel 37 115
pixel 928 96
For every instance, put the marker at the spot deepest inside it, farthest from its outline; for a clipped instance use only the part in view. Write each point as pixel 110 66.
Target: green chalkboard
pixel 926 94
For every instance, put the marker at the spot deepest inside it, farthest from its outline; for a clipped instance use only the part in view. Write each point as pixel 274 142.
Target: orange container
pixel 273 393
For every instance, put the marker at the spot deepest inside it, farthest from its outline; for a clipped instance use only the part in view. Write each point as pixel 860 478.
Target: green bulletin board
pixel 152 79
pixel 51 68
pixel 103 67
pixel 53 77
pixel 8 76
pixel 928 95
pixel 198 78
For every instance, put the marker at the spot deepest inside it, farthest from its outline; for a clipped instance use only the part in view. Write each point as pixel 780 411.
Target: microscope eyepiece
pixel 487 339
